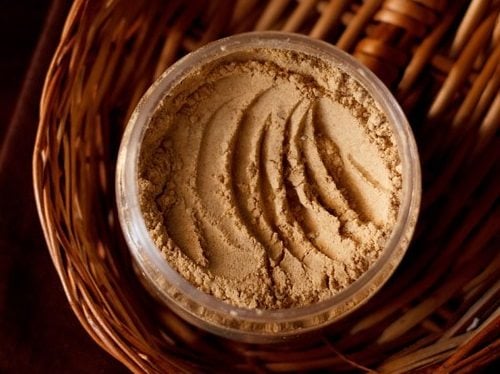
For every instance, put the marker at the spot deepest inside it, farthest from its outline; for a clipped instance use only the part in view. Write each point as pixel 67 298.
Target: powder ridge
pixel 269 179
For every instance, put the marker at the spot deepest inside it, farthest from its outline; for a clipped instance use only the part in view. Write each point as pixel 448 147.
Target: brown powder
pixel 269 179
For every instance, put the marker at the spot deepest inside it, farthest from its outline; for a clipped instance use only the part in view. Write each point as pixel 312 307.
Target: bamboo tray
pixel 439 312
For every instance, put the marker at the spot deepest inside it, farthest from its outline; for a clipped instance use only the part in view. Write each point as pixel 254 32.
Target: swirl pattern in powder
pixel 269 179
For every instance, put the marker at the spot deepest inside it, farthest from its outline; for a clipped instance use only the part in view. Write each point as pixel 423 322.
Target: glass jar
pixel 207 311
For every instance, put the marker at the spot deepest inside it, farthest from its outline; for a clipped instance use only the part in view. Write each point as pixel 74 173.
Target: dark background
pixel 38 331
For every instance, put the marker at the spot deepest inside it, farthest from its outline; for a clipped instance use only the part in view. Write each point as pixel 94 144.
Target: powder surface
pixel 269 179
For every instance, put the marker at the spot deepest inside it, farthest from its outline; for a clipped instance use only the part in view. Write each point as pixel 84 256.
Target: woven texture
pixel 440 310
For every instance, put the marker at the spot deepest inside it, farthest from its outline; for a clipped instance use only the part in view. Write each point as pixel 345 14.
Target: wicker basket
pixel 441 58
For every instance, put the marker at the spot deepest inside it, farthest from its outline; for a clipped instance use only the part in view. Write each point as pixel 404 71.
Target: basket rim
pixel 64 264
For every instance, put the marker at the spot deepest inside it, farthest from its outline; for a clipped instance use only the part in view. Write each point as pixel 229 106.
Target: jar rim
pixel 280 322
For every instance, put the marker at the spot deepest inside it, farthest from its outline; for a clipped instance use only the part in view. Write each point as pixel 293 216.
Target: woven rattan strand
pixel 440 58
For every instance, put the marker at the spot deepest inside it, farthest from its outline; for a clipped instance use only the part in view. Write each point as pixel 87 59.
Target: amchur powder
pixel 269 179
